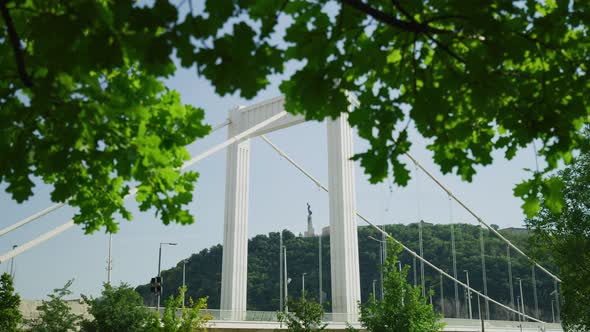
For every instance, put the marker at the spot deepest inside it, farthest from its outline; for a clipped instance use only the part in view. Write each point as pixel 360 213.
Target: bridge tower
pixel 342 203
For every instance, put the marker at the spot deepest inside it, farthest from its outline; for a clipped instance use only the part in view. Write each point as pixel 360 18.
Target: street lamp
pixel 521 297
pixel 12 264
pixel 160 266
pixel 184 280
pixel 468 294
pixel 518 307
pixel 381 244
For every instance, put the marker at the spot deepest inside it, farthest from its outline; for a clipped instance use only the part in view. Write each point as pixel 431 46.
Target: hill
pixel 203 275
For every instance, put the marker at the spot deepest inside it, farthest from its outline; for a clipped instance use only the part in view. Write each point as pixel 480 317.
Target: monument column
pixel 343 227
pixel 234 270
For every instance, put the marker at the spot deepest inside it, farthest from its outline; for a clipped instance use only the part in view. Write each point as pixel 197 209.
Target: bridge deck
pixel 452 325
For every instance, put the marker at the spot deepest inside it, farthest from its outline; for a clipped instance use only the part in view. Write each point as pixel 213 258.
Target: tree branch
pixel 392 21
pixel 15 41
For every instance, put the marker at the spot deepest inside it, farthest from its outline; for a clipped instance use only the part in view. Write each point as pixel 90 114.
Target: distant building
pixel 310 231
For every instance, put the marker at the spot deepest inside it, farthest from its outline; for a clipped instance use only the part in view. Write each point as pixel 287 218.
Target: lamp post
pixel 468 294
pixel 303 285
pixel 374 281
pixel 184 281
pixel 110 259
pixel 381 244
pixel 12 263
pixel 321 291
pixel 518 308
pixel 281 277
pixel 552 311
pixel 521 297
pixel 160 266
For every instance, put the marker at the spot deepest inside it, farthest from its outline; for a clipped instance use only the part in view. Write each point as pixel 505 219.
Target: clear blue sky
pixel 278 200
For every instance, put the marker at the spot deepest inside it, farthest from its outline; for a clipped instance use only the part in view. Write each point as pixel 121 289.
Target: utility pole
pixel 534 280
pixel 281 277
pixel 303 285
pixel 381 265
pixel 454 256
pixel 483 328
pixel 510 282
pixel 384 244
pixel 422 256
pixel 12 272
pixel 110 259
pixel 484 275
pixel 468 294
pixel 415 273
pixel 184 281
pixel 286 281
pixel 521 297
pixel 442 296
pixel 320 268
pixel 159 269
pixel 518 308
pixel 556 290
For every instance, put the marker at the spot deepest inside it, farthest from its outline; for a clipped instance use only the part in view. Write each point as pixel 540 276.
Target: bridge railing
pixel 264 316
pixel 271 316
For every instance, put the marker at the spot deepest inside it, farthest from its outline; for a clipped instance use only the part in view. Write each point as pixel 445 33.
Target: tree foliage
pixel 10 315
pixel 118 308
pixel 87 111
pixel 303 315
pixel 565 238
pixel 190 319
pixel 403 307
pixel 83 107
pixel 56 315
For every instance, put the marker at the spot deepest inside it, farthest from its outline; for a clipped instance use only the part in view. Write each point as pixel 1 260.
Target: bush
pixel 304 315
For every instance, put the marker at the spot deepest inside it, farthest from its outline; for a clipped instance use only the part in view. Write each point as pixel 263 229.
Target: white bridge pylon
pixel 342 204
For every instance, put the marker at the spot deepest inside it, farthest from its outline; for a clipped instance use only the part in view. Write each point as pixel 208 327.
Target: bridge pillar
pixel 234 270
pixel 343 228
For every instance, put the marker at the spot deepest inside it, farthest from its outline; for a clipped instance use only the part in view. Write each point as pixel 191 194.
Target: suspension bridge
pixel 247 123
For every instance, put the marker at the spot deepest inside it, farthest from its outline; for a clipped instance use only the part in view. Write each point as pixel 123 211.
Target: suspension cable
pixel 411 252
pixel 356 103
pixel 478 218
pixel 52 208
pixel 62 228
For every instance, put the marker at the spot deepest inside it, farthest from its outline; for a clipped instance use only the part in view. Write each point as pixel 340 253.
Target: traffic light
pixel 156 285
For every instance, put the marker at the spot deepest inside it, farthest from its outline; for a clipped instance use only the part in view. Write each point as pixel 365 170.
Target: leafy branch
pixel 392 21
pixel 15 41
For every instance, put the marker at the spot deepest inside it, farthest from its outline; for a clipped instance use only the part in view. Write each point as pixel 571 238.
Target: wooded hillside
pixel 203 273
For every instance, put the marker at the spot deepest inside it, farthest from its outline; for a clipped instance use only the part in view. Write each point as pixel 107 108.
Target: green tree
pixel 56 315
pixel 191 318
pixel 403 308
pixel 304 315
pixel 10 315
pixel 118 308
pixel 471 78
pixel 565 238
